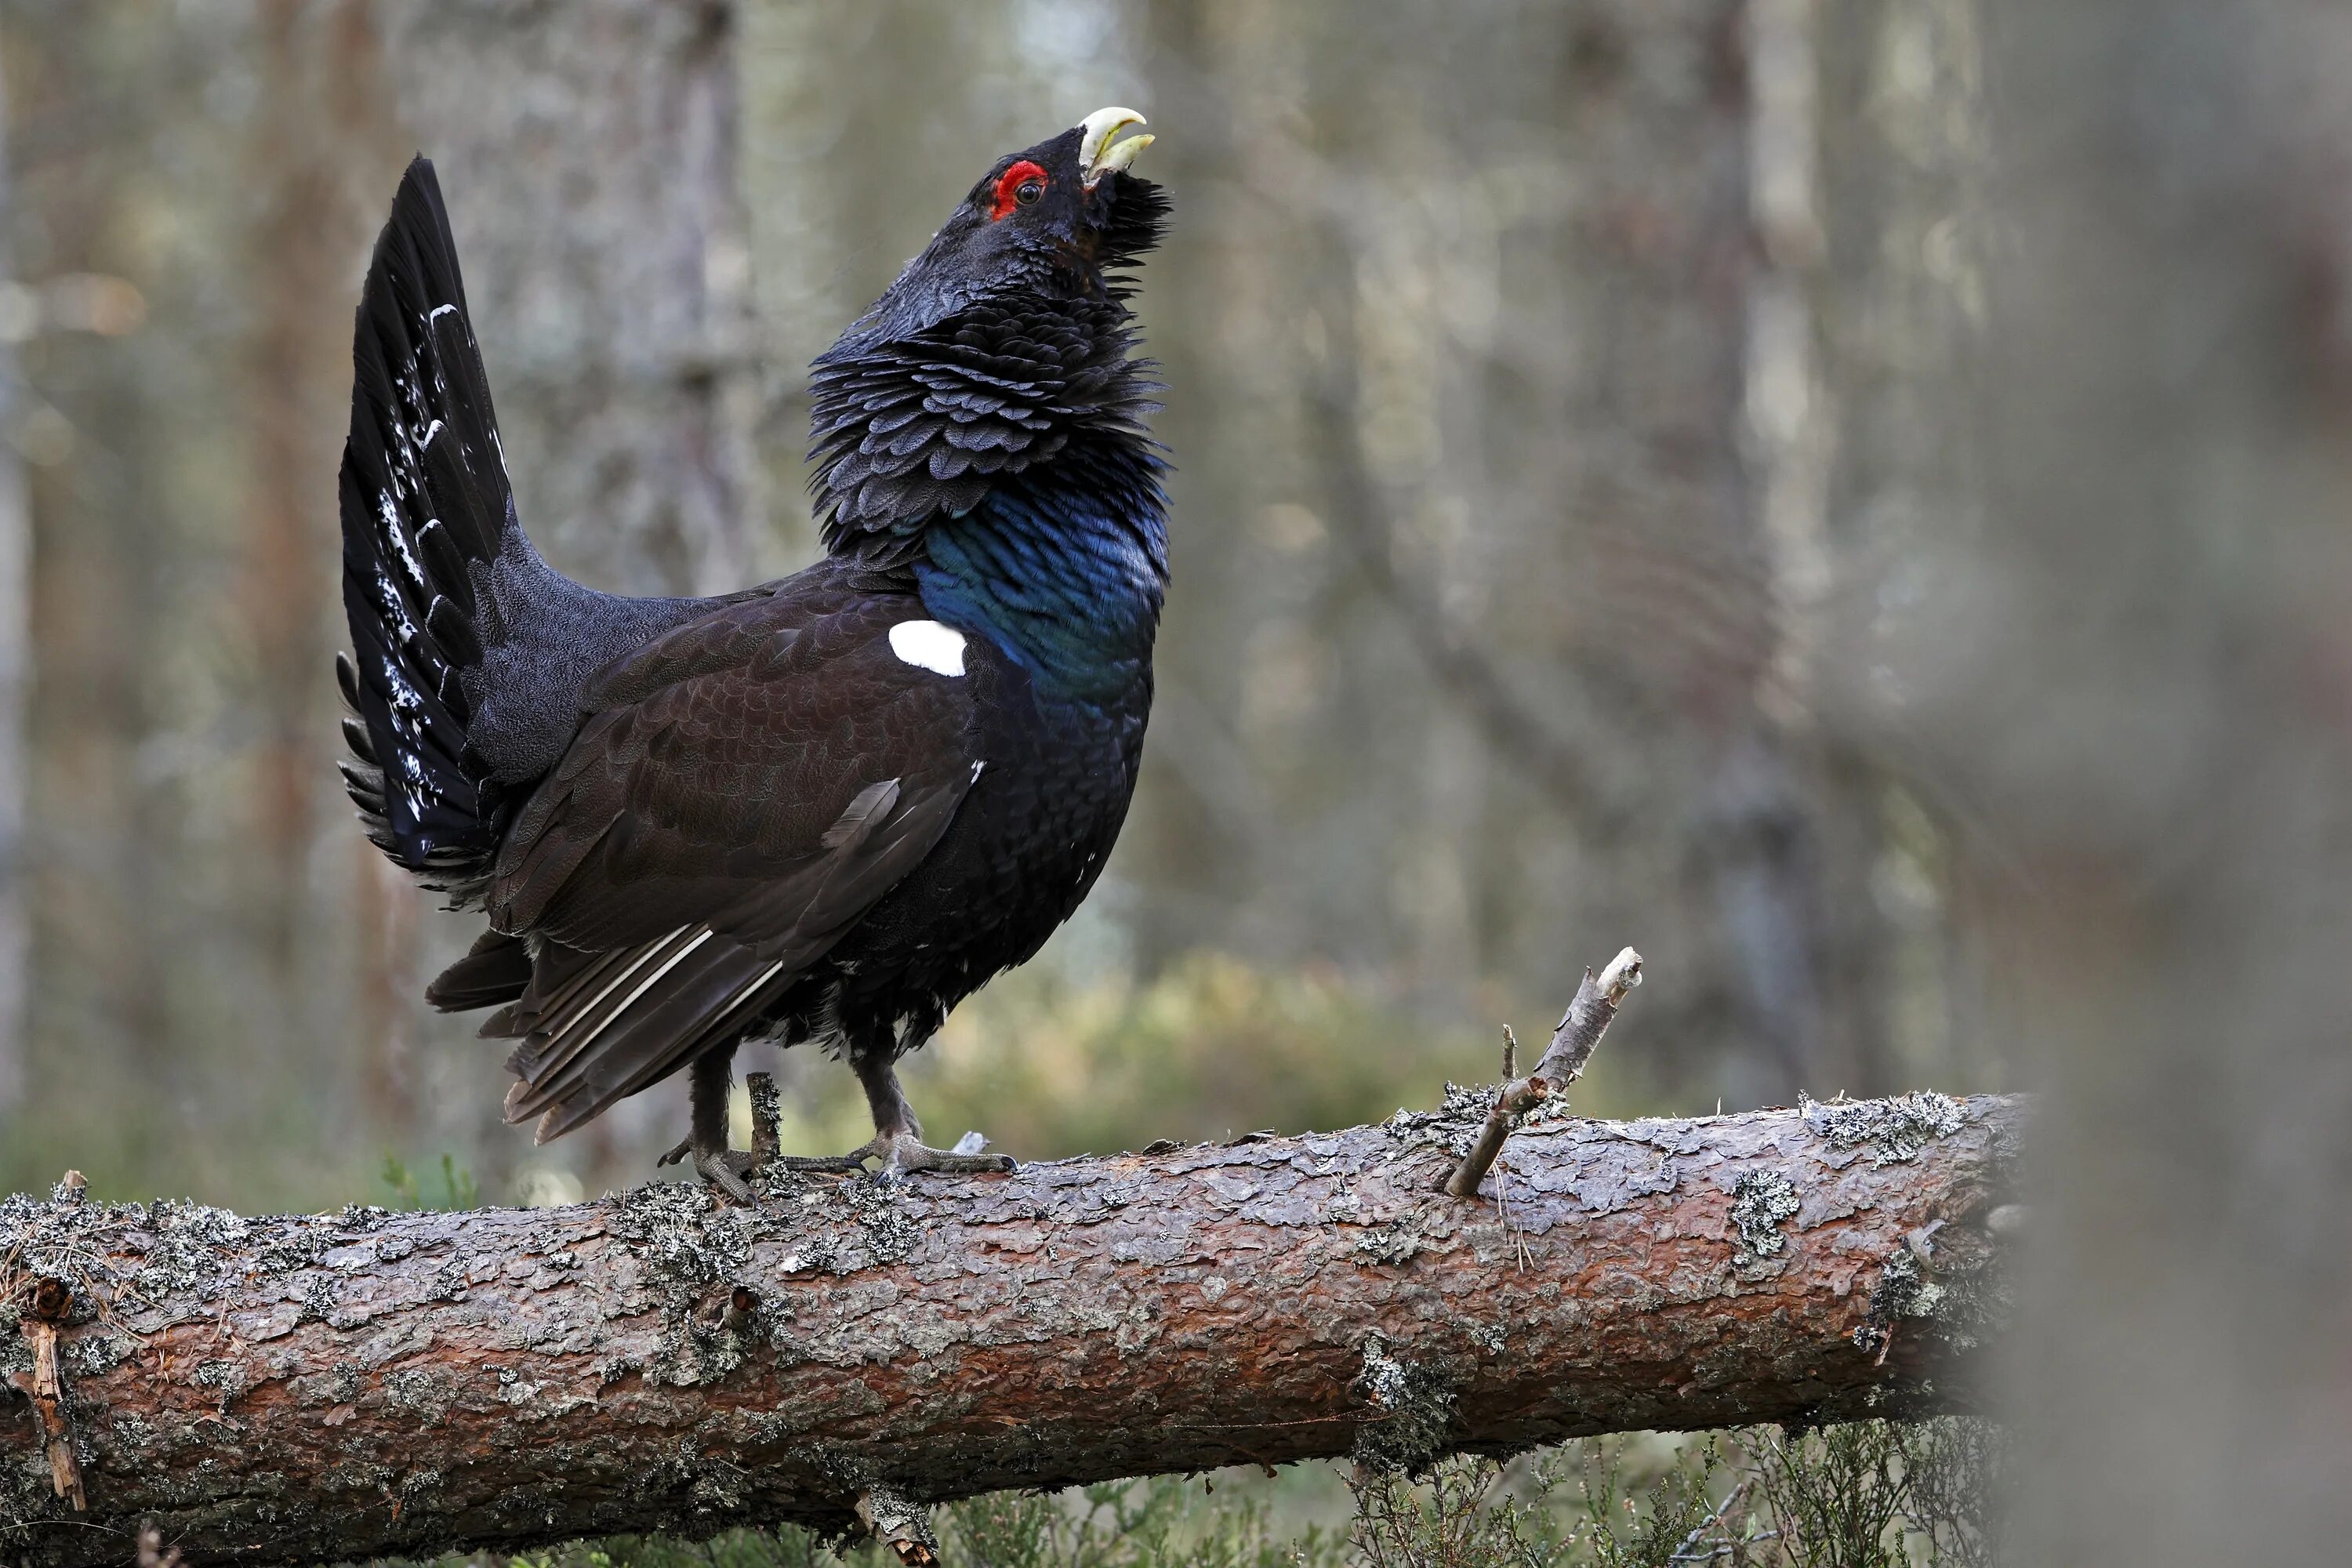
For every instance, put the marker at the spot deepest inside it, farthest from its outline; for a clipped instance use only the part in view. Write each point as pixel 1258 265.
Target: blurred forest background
pixel 1849 495
pixel 1554 397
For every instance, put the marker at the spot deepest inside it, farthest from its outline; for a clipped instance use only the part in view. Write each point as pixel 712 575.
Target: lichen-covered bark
pixel 350 1385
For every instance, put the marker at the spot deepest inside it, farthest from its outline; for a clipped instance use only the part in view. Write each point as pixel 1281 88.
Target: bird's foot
pixel 902 1153
pixel 722 1168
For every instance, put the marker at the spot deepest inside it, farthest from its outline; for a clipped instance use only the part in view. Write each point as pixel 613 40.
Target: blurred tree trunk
pixel 1893 289
pixel 15 647
pixel 323 118
pixel 2135 668
pixel 589 154
pixel 106 535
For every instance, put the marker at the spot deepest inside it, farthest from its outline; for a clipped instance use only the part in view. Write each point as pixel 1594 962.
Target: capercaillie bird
pixel 824 809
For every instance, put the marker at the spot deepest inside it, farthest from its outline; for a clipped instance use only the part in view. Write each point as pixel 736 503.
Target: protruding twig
pixel 899 1524
pixel 766 1115
pixel 50 1302
pixel 1581 1029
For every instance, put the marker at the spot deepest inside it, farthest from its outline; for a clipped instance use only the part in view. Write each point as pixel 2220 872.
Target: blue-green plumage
pixel 1066 579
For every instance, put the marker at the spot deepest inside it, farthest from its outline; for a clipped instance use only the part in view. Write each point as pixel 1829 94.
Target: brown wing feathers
pixel 750 785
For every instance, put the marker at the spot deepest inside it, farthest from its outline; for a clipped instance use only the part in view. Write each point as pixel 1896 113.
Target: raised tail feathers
pixel 426 508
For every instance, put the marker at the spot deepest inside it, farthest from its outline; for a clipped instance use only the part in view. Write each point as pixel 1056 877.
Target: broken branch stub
pixel 1580 1027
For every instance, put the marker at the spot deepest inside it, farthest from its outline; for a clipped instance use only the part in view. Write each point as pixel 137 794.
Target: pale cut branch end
pixel 1587 1018
pixel 1573 1044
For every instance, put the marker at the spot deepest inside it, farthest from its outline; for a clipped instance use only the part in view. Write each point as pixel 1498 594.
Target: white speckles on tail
pixel 928 645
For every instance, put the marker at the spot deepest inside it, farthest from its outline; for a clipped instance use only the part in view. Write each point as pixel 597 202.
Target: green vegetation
pixel 1048 1065
pixel 1869 1495
pixel 458 1189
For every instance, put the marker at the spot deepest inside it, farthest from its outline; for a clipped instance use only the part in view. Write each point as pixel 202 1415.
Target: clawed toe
pixel 902 1153
pixel 853 1161
pixel 722 1168
pixel 913 1154
pixel 725 1169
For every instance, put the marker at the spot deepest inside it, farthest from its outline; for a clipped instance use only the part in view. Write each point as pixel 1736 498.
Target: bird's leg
pixel 710 1082
pixel 897 1140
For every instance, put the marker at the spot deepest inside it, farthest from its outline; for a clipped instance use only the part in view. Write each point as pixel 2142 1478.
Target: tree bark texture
pixel 349 1384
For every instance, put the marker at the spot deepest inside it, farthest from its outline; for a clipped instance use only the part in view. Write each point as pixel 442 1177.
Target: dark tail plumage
pixel 426 509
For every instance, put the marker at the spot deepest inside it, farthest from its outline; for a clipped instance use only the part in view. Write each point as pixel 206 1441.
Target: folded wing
pixel 746 787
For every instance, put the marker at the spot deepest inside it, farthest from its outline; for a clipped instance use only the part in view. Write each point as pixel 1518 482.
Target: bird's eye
pixel 1023 185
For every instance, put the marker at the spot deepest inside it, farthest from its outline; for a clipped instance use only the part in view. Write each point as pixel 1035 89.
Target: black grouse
pixel 826 808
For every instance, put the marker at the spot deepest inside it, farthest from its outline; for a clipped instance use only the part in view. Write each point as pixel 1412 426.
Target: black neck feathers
pixel 918 429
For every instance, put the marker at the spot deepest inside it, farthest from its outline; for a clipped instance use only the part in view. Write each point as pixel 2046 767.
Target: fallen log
pixel 362 1382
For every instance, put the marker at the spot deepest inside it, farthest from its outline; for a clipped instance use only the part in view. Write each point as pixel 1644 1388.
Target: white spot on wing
pixel 928 645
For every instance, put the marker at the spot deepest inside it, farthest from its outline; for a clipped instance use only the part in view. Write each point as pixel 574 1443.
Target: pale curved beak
pixel 1097 154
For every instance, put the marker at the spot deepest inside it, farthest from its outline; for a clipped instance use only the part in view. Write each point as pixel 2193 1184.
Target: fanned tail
pixel 425 502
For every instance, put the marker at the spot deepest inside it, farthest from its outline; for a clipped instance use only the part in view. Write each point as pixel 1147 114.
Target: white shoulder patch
pixel 930 646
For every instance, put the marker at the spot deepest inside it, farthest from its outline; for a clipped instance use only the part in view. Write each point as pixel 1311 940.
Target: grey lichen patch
pixel 1414 1420
pixel 690 1245
pixel 1453 1126
pixel 721 1487
pixel 1904 1290
pixel 285 1251
pixel 184 1256
pixel 1953 1276
pixel 687 1239
pixel 319 1295
pixel 26 1496
pixel 97 1356
pixel 225 1377
pixel 1761 1203
pixel 424 1393
pixel 875 1203
pixel 890 1516
pixel 1394 1241
pixel 1896 1130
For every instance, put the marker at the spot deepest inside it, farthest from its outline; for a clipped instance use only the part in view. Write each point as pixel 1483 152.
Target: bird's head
pixel 1060 220
pixel 1000 348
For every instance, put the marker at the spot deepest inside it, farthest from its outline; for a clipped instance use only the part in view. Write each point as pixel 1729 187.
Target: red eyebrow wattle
pixel 1012 180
